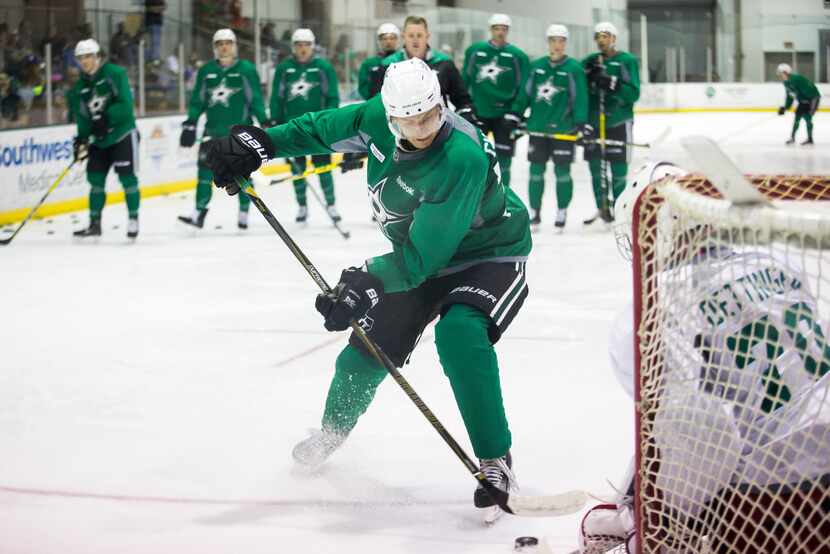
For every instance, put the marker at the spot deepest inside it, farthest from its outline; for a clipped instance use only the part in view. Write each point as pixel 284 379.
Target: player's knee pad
pixel 537 170
pixel 461 338
pixel 96 179
pixel 353 361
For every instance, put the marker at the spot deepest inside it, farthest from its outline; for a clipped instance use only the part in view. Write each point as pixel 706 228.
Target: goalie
pixel 742 424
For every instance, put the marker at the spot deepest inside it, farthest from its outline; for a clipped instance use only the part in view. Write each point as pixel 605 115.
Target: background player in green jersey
pixel 459 238
pixel 101 103
pixel 495 72
pixel 305 83
pixel 799 89
pixel 227 91
pixel 557 95
pixel 369 80
pixel 613 76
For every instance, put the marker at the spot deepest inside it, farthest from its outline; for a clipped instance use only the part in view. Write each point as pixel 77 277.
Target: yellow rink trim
pixel 712 109
pixel 77 204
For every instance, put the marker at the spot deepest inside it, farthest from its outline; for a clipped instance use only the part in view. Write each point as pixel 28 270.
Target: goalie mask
pixel 411 88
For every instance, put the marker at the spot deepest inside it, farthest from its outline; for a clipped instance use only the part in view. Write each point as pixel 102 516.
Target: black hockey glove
pixel 587 132
pixel 512 122
pixel 470 115
pixel 188 136
pixel 100 125
pixel 237 155
pixel 782 110
pixel 606 81
pixel 80 149
pixel 351 161
pixel 356 292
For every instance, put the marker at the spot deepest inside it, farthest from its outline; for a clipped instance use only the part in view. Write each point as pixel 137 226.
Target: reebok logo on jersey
pixel 377 153
pixel 407 189
pixel 476 291
pixel 255 144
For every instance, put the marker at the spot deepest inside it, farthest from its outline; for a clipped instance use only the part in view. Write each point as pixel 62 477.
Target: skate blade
pixel 491 515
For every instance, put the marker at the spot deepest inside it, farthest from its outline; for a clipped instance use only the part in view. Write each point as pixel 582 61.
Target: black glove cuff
pixel 254 139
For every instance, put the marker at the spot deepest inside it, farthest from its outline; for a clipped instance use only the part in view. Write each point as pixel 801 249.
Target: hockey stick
pixel 39 204
pixel 316 171
pixel 344 234
pixel 577 138
pixel 543 506
pixel 604 209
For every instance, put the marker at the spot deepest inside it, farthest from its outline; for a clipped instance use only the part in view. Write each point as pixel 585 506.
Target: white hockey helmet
pixel 784 68
pixel 624 207
pixel 606 27
pixel 410 88
pixel 224 34
pixel 87 46
pixel 499 19
pixel 303 35
pixel 388 29
pixel 557 30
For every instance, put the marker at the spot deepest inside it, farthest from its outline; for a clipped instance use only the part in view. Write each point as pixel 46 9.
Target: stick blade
pixel 562 504
pixel 721 171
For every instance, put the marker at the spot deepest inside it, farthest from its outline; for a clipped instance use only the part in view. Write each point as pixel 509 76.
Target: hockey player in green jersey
pixel 369 80
pixel 460 240
pixel 416 37
pixel 495 72
pixel 305 83
pixel 613 80
pixel 101 102
pixel 557 95
pixel 799 89
pixel 227 91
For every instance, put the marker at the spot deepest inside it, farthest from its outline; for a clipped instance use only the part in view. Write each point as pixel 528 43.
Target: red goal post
pixel 731 310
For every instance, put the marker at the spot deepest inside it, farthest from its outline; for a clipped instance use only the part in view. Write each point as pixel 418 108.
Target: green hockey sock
pixel 298 166
pixel 808 119
pixel 327 184
pixel 356 378
pixel 619 172
pixel 469 361
pixel 564 185
pixel 504 165
pixel 536 185
pixel 97 193
pixel 596 180
pixel 132 196
pixel 204 188
pixel 244 200
pixel 796 125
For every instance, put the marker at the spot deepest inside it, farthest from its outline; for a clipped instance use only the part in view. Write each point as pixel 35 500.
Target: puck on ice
pixel 50 232
pixel 218 227
pixel 525 542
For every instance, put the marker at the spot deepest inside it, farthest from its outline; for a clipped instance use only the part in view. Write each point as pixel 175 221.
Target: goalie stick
pixel 52 187
pixel 520 505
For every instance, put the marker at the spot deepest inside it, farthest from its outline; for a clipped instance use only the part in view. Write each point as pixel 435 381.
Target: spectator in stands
pixel 121 47
pixel 153 20
pixel 31 80
pixel 10 103
pixel 4 39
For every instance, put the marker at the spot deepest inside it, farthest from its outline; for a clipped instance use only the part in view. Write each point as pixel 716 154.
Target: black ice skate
pixel 317 448
pixel 808 142
pixel 94 230
pixel 196 220
pixel 561 219
pixel 790 142
pixel 302 214
pixel 132 228
pixel 498 471
pixel 242 222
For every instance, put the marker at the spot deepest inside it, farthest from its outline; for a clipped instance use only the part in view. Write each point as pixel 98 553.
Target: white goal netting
pixel 732 310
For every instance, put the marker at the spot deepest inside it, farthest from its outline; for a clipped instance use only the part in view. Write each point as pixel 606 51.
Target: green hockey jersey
pixel 442 208
pixel 619 105
pixel 799 89
pixel 107 91
pixel 227 95
pixel 557 94
pixel 495 76
pixel 302 88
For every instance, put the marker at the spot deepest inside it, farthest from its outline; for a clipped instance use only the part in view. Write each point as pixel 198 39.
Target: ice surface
pixel 150 394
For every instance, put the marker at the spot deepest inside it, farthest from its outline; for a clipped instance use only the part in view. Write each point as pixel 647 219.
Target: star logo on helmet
pixel 490 71
pixel 97 103
pixel 383 215
pixel 221 94
pixel 546 91
pixel 301 88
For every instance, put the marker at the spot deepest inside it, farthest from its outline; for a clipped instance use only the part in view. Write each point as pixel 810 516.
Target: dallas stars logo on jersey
pixel 222 94
pixel 383 215
pixel 546 91
pixel 97 104
pixel 490 70
pixel 301 88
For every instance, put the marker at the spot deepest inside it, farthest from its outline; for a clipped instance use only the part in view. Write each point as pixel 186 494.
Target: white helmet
pixel 499 19
pixel 388 29
pixel 303 35
pixel 88 46
pixel 605 27
pixel 557 31
pixel 624 207
pixel 224 34
pixel 782 68
pixel 409 88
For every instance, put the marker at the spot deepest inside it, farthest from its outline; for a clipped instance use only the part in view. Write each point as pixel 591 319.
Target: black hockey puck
pixel 523 543
pixel 218 227
pixel 50 232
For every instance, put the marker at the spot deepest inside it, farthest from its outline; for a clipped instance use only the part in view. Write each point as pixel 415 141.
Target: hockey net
pixel 732 312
